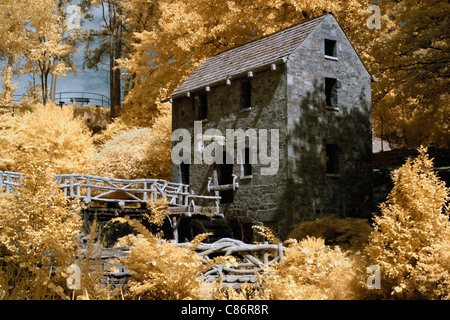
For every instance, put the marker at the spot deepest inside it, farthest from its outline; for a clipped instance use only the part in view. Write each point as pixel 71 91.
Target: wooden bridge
pixel 101 191
pixel 94 189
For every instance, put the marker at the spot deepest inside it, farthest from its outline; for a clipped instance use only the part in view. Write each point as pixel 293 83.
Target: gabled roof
pixel 250 56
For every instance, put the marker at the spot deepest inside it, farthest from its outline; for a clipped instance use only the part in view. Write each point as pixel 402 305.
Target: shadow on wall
pixel 329 155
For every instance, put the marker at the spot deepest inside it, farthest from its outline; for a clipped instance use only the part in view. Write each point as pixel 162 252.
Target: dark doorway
pixel 184 170
pixel 225 176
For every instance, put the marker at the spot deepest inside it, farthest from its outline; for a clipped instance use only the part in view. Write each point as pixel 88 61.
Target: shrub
pixel 37 229
pixel 49 135
pixel 410 241
pixel 123 156
pixel 96 119
pixel 135 152
pixel 162 271
pixel 312 270
pixel 112 129
pixel 348 233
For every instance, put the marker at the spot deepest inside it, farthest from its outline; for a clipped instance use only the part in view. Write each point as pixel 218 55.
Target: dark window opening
pixel 246 94
pixel 247 166
pixel 225 176
pixel 184 171
pixel 330 47
pixel 332 159
pixel 201 103
pixel 331 92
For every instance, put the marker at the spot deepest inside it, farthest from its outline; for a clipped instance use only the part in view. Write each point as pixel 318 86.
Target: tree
pixel 35 43
pixel 46 47
pixel 14 16
pixel 410 240
pixel 411 58
pixel 111 46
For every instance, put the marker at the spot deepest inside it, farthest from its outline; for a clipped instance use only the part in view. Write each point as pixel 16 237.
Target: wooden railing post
pixel 145 192
pixel 8 181
pixel 79 187
pixel 1 182
pixel 88 190
pixel 72 194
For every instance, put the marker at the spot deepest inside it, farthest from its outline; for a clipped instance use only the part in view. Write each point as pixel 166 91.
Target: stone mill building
pixel 307 82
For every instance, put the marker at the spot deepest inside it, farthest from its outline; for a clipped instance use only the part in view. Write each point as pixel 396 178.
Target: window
pixel 330 48
pixel 246 169
pixel 246 94
pixel 332 159
pixel 184 172
pixel 331 85
pixel 201 104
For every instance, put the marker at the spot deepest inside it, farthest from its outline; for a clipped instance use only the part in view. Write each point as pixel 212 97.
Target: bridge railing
pixel 102 189
pixel 82 98
pixel 94 189
pixel 9 181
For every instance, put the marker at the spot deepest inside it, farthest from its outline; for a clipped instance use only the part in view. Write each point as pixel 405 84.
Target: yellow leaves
pixel 312 270
pixel 410 231
pixel 135 153
pixel 49 134
pixel 38 229
pixel 163 271
pixel 267 233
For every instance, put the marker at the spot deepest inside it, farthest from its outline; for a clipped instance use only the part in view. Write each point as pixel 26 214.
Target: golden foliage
pixel 245 292
pixel 410 238
pixel 136 152
pixel 49 135
pixel 95 118
pixel 158 211
pixel 38 226
pixel 348 233
pixel 312 270
pixel 161 270
pixel 123 156
pixel 267 233
pixel 111 130
pixel 409 57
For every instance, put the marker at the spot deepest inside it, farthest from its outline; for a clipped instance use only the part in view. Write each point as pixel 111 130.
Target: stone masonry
pixel 289 95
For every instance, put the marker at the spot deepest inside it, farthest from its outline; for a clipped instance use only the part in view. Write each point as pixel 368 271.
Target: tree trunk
pixel 53 84
pixel 115 53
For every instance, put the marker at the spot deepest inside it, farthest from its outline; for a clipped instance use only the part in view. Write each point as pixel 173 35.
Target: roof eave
pixel 223 81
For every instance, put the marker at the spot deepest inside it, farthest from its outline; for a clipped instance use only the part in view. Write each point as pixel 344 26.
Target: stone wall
pixel 257 197
pixel 312 125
